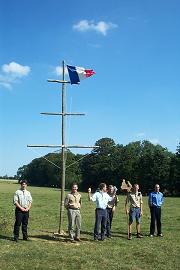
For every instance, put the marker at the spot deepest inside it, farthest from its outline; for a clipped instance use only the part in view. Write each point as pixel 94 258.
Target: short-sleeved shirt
pixel 114 202
pixel 23 197
pixel 101 199
pixel 156 199
pixel 73 201
pixel 135 199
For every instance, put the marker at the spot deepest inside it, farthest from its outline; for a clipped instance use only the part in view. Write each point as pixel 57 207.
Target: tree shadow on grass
pixel 47 237
pixel 115 234
pixel 55 238
pixel 4 237
pixel 87 233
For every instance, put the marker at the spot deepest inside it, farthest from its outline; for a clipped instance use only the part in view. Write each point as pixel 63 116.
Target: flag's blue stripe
pixel 73 75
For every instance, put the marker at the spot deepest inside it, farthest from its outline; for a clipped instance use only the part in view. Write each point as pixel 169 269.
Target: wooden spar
pixel 60 146
pixel 58 81
pixel 47 113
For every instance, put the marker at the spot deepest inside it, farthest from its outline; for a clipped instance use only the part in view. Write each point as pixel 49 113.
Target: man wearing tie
pixel 155 201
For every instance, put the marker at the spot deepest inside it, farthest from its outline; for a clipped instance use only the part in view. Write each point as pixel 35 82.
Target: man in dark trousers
pixel 111 208
pixel 101 198
pixel 22 200
pixel 155 201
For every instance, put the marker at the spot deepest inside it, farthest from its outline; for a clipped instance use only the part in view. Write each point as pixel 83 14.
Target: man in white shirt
pixel 101 198
pixel 22 200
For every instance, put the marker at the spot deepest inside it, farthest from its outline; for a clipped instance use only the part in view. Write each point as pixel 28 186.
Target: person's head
pixel 157 187
pixel 74 187
pixel 23 184
pixel 102 187
pixel 110 189
pixel 135 187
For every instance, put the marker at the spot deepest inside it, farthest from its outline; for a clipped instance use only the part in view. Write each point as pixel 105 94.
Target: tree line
pixel 138 162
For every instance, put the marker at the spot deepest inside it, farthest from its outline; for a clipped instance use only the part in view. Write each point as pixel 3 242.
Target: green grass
pixel 46 252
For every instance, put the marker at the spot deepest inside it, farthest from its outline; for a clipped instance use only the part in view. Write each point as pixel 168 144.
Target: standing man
pixel 134 198
pixel 22 200
pixel 73 205
pixel 111 208
pixel 101 198
pixel 155 201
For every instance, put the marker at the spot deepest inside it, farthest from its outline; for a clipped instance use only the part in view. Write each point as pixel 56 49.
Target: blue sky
pixel 134 48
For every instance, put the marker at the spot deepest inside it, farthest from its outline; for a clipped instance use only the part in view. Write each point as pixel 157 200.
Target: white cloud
pixel 11 73
pixel 16 69
pixel 143 136
pixel 100 27
pixel 59 70
pixel 154 141
pixel 5 81
pixel 140 134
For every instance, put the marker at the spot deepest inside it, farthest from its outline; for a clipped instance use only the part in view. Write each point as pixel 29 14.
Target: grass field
pixel 45 252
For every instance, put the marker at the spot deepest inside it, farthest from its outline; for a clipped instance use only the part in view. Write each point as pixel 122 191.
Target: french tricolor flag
pixel 76 74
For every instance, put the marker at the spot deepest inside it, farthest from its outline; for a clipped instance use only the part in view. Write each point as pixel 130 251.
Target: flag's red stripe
pixel 89 72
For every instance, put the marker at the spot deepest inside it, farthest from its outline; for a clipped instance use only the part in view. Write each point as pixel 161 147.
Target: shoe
pixel 72 240
pixel 160 235
pixel 151 235
pixel 139 235
pixel 77 239
pixel 15 239
pixel 129 236
pixel 102 239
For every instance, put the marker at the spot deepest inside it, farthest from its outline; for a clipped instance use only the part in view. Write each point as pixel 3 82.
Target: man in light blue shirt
pixel 155 201
pixel 101 198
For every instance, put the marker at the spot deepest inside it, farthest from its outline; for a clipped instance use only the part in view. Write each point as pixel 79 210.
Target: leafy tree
pixel 139 162
pixel 176 180
pixel 98 166
pixel 47 170
pixel 154 166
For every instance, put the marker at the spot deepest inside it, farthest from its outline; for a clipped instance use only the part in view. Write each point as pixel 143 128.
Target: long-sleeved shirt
pixel 101 199
pixel 156 199
pixel 23 197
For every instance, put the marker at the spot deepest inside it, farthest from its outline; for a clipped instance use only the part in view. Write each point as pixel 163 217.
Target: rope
pixel 76 161
pixel 65 158
pixel 48 159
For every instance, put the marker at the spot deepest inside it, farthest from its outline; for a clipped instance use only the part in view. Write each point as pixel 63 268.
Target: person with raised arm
pixel 134 199
pixel 101 198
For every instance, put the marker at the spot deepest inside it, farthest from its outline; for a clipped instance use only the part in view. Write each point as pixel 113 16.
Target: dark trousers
pixel 100 219
pixel 109 221
pixel 21 218
pixel 155 219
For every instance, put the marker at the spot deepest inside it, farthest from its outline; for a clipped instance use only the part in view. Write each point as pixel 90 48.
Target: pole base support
pixel 62 233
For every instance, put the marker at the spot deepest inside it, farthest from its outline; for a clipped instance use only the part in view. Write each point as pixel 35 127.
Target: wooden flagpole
pixel 62 146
